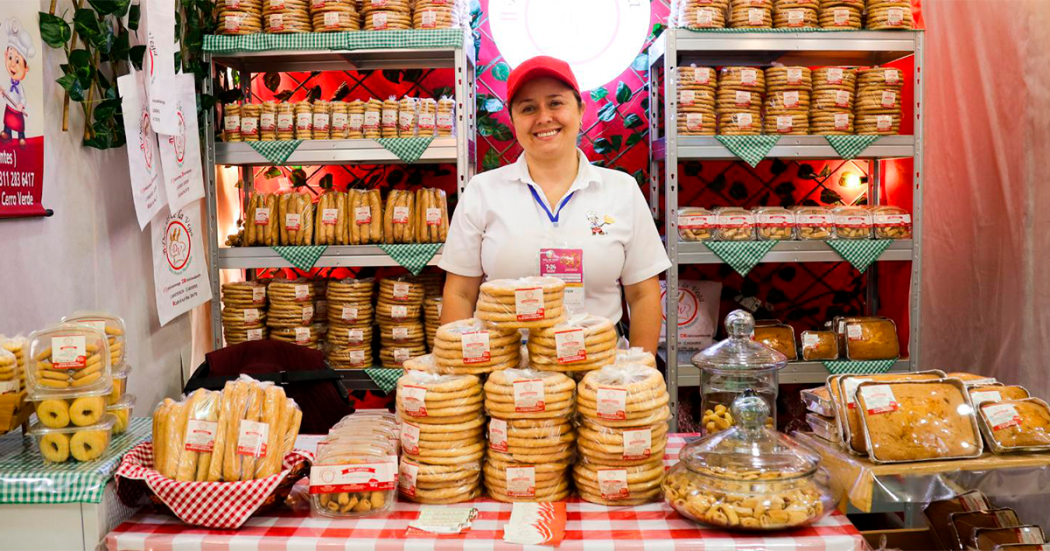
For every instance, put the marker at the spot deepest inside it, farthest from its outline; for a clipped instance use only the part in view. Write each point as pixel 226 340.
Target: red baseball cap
pixel 537 67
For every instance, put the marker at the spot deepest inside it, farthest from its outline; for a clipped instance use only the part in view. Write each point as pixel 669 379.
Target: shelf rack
pixel 679 47
pixel 459 150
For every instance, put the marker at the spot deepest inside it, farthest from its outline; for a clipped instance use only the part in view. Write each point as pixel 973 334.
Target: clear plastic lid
pixel 749 449
pixel 113 327
pixel 67 360
pixel 739 352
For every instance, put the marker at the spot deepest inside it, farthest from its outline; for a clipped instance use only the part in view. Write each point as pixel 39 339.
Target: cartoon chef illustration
pixel 16 60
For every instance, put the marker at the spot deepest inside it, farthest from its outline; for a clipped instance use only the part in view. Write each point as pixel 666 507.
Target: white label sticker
pixel 249 126
pixel 694 122
pixel 400 215
pixel 331 19
pixel 743 99
pixel 285 122
pixel 701 75
pixel 268 121
pixel 433 216
pixel 409 438
pixel 705 17
pixel 444 121
pixel 743 120
pixel 320 122
pixel 570 346
pixel 852 221
pixel 796 18
pixel 613 484
pixel 233 4
pixel 276 4
pixel 252 438
pixel 842 98
pixel 849 388
pixel 854 332
pixel 355 336
pixel 379 20
pixel 884 123
pixel 429 19
pixel 981 397
pixel 521 481
pixel 891 76
pixel 794 75
pixel 69 352
pixel 528 304
pixel 498 434
pixel 886 220
pixel 255 334
pixel 736 221
pixel 389 118
pixel 302 292
pixel 755 16
pixel 406 481
pixel 362 215
pixel 889 99
pixel 302 335
pixel 401 290
pixel 308 313
pixel 232 123
pixel 529 395
pixel 879 399
pixel 349 314
pixel 749 77
pixel 637 444
pixel 371 121
pixel 426 121
pixel 292 221
pixel 841 122
pixel 329 216
pixel 276 21
pixel 475 347
pixel 402 354
pixel 339 121
pixel 304 121
pixel 359 477
pixel 1001 416
pixel 841 16
pixel 687 97
pixel 835 75
pixel 251 315
pixel 399 333
pixel 399 312
pixel 785 123
pixel 809 340
pixel 776 220
pixel 9 387
pixel 894 17
pixel 200 436
pixel 791 99
pixel 357 121
pixel 612 403
pixel 357 358
pixel 413 400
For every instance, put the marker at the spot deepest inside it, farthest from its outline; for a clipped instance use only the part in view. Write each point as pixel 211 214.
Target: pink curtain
pixel 986 246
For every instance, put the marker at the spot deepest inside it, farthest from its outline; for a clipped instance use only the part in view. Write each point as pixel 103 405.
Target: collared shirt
pixel 499 228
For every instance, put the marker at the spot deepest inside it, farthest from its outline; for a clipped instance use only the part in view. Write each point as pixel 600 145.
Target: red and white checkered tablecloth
pixel 590 527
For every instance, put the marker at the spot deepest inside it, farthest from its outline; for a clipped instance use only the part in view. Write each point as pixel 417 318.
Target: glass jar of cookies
pixel 734 365
pixel 749 477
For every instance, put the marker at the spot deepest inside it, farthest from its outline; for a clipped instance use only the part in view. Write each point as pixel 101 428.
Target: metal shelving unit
pixel 678 47
pixel 459 150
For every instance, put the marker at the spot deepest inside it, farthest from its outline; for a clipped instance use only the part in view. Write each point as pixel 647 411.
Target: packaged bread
pixel 700 14
pixel 261 220
pixel 388 118
pixel 1012 538
pixel 431 215
pixel 335 16
pixel 890 16
pixel 296 215
pixel 268 121
pixel 238 18
pixel 891 223
pixel 439 14
pixel 433 398
pixel 399 224
pixel 796 16
pixel 625 392
pixel 918 421
pixel 250 122
pixel 994 393
pixel 937 513
pixel 365 217
pixel 321 123
pixel 696 224
pixel 635 355
pixel 1016 425
pixel 743 14
pixel 407 113
pixel 285 17
pixel 355 119
pixel 735 224
pixel 473 346
pixel 231 123
pixel 244 309
pixel 580 343
pixel 841 17
pixel 819 345
pixel 788 78
pixel 872 339
pixel 330 224
pixel 814 223
pixel 818 400
pixel 304 121
pixel 445 121
pixel 340 121
pixel 963 524
pixel 779 337
pixel 286 121
pixel 844 392
pixel 525 303
pixel 427 117
pixel 775 223
pixel 529 394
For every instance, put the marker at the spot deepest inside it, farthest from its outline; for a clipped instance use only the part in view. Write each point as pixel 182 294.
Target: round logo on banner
pixel 145 140
pixel 688 306
pixel 177 245
pixel 598 38
pixel 178 141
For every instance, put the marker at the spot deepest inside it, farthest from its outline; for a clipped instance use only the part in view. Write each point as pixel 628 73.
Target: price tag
pixel 879 399
pixel 498 434
pixel 250 126
pixel 687 97
pixel 637 444
pixel 570 346
pixel 528 304
pixel 262 216
pixel 292 221
pixel 400 215
pixel 413 400
pixel 612 403
pixel 302 292
pixel 252 438
pixel 409 438
pixel 475 347
pixel 200 436
pixel 1001 416
pixel 408 474
pixel 791 99
pixel 529 396
pixel 743 99
pixel 794 75
pixel 613 484
pixel 521 481
pixel 285 122
pixel 362 215
pixel 349 314
pixel 302 335
pixel 566 265
pixel 255 334
pixel 69 352
pixel 889 99
pixel 835 75
pixel 329 216
pixel 355 336
pixel 251 315
pixel 694 122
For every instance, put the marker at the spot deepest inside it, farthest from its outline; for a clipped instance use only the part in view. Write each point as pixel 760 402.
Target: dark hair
pixel 579 102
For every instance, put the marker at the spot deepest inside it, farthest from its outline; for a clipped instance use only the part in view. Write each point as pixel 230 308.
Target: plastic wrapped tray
pixel 1027 421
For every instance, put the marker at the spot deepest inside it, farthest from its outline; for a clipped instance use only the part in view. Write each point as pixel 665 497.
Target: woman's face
pixel 546 117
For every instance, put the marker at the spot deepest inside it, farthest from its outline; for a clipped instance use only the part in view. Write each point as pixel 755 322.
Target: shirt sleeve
pixel 645 255
pixel 462 252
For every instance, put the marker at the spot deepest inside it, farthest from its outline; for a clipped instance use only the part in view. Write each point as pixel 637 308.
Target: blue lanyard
pixel 555 215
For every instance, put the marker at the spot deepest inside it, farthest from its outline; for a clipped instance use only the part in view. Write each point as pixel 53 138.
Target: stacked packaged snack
pixel 431 319
pixel 286 16
pixel 427 116
pixel 841 14
pixel 355 122
pixel 350 317
pixel 286 121
pixel 696 100
pixel 878 104
pixel 741 92
pixel 814 223
pixel 398 309
pixel 373 115
pixel 365 212
pixel 388 120
pixel 473 346
pixel 291 312
pixel 793 14
pixel 788 91
pixel 385 15
pixel 261 221
pixel 438 14
pixel 244 311
pixel 231 123
pixel 340 120
pixel 321 123
pixel 852 223
pixel 399 222
pixel 890 14
pixel 268 121
pixel 304 121
pixel 407 125
pixel 121 413
pixel 240 433
pixel 635 355
pixel 355 473
pixel 431 215
pixel 831 109
pixel 696 224
pixel 734 224
pixel 319 323
pixel 701 14
pixel 622 434
pixel 891 223
pixel 526 303
pixel 442 438
pixel 446 116
pixel 250 122
pixel 581 343
pixel 751 14
pixel 239 17
pixel 530 435
pixel 334 16
pixel 775 223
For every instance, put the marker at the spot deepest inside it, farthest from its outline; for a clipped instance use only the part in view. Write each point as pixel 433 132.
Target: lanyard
pixel 555 215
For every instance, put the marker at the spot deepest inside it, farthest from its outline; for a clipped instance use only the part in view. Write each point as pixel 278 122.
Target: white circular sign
pixel 598 38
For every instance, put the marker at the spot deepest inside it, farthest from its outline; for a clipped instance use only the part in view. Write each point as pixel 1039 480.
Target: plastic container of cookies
pixel 65 359
pixel 735 224
pixel 891 223
pixel 111 325
pixel 353 479
pixel 852 223
pixel 815 223
pixel 120 384
pixel 749 477
pixel 696 224
pixel 59 445
pixel 121 412
pixel 775 223
pixel 1013 426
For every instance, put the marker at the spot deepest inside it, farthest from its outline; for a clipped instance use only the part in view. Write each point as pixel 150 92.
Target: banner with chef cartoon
pixel 147 177
pixel 180 270
pixel 22 93
pixel 180 152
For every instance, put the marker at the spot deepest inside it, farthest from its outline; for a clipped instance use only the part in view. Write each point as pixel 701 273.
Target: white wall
pixel 90 254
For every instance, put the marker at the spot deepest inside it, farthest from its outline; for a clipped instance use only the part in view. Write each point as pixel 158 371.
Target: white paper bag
pixel 180 270
pixel 144 164
pixel 697 313
pixel 180 152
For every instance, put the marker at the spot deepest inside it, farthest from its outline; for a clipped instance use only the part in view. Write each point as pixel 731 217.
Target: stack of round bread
pixel 285 121
pixel 10 382
pixel 890 14
pixel 475 346
pixel 398 313
pixel 385 15
pixel 635 355
pixel 702 14
pixel 286 16
pixel 581 343
pixel 335 15
pixel 388 123
pixel 291 312
pixel 373 115
pixel 696 101
pixel 431 318
pixel 878 104
pixel 831 106
pixel 622 434
pixel 446 115
pixel 432 282
pixel 304 121
pixel 526 303
pixel 442 434
pixel 243 311
pixel 751 14
pixel 350 323
pixel 320 320
pixel 436 14
pixel 841 14
pixel 795 14
pixel 530 435
pixel 788 92
pixel 244 17
pixel 741 91
pixel 18 346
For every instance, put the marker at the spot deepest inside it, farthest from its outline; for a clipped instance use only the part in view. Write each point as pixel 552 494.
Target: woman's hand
pixel 643 298
pixel 460 298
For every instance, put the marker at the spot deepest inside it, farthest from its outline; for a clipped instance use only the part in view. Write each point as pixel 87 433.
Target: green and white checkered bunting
pixel 849 367
pixel 385 379
pixel 414 257
pixel 848 147
pixel 276 152
pixel 860 253
pixel 749 148
pixel 358 40
pixel 741 255
pixel 301 256
pixel 28 480
pixel 408 150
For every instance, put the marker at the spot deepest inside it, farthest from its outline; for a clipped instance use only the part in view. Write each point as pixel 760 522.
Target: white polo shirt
pixel 499 228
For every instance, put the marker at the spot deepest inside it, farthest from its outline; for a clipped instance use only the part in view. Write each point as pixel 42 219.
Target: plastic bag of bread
pixel 872 339
pixel 845 396
pixel 623 395
pixel 635 355
pixel 261 221
pixel 433 398
pixel 431 215
pixel 529 394
pixel 779 337
pixel 399 224
pixel 330 224
pixel 1016 425
pixel 446 117
pixel 581 343
pixel 365 216
pixel 524 303
pixel 820 345
pixel 407 113
pixel 437 483
pixel 995 393
pixel 388 120
pixel 296 216
pixel 473 346
pixel 918 421
pixel 427 117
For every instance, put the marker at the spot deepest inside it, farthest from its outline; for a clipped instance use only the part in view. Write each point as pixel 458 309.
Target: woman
pixel 553 213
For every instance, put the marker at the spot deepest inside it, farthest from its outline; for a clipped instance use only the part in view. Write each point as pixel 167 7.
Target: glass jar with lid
pixel 734 365
pixel 749 477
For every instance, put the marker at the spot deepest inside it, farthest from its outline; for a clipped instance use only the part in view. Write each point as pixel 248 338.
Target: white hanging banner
pixel 147 176
pixel 180 152
pixel 180 271
pixel 159 63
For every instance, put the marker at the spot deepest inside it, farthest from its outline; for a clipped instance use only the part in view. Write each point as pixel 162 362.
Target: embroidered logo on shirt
pixel 598 223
